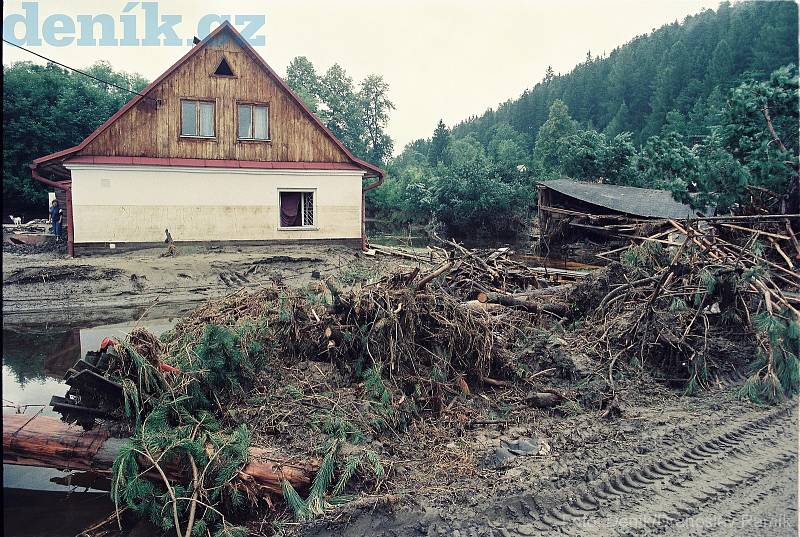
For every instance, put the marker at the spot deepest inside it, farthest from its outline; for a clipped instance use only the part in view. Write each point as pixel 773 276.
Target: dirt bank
pixel 50 285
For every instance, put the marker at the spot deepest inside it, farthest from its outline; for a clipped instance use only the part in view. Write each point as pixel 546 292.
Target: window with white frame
pixel 297 209
pixel 197 118
pixel 253 122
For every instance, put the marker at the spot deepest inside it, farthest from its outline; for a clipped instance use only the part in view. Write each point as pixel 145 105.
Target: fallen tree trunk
pixel 32 440
pixel 531 307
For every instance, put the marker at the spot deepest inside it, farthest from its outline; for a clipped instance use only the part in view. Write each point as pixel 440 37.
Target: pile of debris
pixel 39 225
pixel 31 238
pixel 703 299
pixel 340 380
pixel 393 352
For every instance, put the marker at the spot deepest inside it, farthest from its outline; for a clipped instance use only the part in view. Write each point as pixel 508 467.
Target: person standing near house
pixel 55 219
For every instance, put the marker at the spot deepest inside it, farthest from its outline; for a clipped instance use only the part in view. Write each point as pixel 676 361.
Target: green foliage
pixel 677 305
pixel 776 370
pixel 302 78
pixel 592 156
pixel 348 471
pixel 295 502
pixel 439 142
pixel 322 480
pixel 464 152
pixel 177 422
pixel 358 117
pixel 376 389
pixel 47 109
pixel 680 109
pixel 337 426
pixel 319 499
pixel 647 255
pixel 481 197
pixel 548 154
pixel 221 361
pixel 676 66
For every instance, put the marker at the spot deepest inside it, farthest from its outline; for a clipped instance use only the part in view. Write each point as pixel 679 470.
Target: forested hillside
pixel 706 108
pixel 683 67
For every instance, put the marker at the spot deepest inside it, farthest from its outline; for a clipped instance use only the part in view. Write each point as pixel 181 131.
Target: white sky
pixel 442 59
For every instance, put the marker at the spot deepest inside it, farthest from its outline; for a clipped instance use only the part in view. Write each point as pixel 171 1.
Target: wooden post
pixel 70 225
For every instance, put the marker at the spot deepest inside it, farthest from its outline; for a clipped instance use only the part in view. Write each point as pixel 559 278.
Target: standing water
pixel 45 502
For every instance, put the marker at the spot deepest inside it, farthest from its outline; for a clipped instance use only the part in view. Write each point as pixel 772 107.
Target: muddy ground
pixel 668 464
pixel 50 286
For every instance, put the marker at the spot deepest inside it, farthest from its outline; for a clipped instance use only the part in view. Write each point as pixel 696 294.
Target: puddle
pixel 44 502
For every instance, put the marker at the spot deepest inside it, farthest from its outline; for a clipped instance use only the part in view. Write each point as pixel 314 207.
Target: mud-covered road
pixel 703 466
pixel 49 285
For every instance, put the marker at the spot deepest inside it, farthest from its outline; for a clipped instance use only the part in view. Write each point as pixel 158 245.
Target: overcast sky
pixel 442 59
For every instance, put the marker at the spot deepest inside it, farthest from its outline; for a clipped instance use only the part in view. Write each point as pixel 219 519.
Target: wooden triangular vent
pixel 223 69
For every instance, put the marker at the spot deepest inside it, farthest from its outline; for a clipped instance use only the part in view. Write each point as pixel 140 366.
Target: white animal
pixel 15 219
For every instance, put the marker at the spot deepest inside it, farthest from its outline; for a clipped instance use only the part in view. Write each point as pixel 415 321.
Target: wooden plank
pixel 555 263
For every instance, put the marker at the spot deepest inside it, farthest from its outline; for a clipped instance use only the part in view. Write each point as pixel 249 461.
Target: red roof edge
pixel 226 25
pixel 210 163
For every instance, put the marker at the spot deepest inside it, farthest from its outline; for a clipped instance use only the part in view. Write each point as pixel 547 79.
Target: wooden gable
pixel 151 127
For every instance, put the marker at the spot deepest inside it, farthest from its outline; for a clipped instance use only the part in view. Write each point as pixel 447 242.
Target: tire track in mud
pixel 701 488
pixel 719 470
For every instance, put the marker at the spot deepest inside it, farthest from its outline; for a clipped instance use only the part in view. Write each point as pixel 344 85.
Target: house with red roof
pixel 217 149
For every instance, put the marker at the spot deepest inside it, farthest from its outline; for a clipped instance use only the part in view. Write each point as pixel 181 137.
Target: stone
pixel 522 446
pixel 502 457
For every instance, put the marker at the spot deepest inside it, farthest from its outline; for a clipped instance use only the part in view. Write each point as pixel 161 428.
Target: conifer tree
pixel 548 151
pixel 441 137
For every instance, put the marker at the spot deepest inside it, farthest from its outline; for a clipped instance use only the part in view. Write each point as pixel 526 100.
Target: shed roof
pixel 645 202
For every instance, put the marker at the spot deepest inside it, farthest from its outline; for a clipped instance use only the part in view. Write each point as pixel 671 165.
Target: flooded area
pixel 44 502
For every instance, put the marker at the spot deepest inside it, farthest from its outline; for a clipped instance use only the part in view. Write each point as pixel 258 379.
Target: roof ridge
pixel 225 26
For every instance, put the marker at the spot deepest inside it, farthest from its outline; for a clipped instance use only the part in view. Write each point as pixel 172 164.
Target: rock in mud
pixel 502 457
pixel 522 446
pixel 543 399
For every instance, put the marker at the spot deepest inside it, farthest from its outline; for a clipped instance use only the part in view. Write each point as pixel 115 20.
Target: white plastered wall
pixel 122 203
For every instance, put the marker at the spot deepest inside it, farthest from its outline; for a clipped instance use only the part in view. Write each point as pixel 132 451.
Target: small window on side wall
pixel 253 122
pixel 197 118
pixel 297 209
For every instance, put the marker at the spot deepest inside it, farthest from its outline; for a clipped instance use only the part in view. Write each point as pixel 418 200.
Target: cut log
pixel 34 440
pixel 444 267
pixel 531 307
pixel 476 305
pixel 387 250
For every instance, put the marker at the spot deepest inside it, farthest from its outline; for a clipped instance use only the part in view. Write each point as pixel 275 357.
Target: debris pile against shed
pixel 568 209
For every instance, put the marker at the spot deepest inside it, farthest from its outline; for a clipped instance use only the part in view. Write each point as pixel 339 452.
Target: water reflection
pixel 43 501
pixel 37 513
